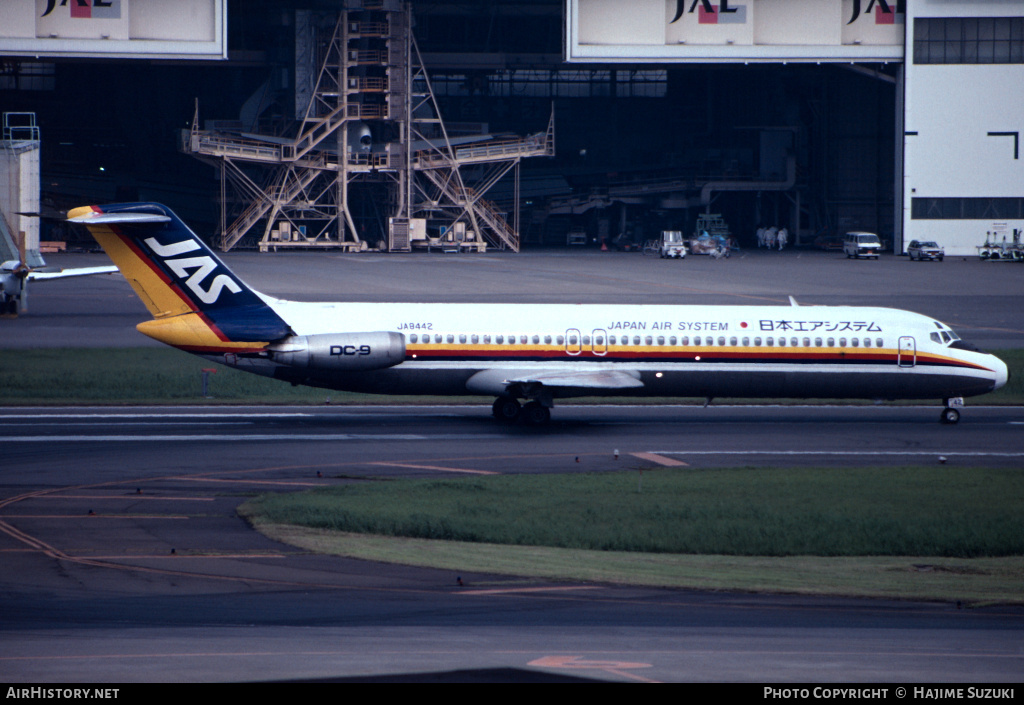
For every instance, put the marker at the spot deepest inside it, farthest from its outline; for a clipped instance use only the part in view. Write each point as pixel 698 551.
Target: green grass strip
pixel 168 376
pixel 904 511
pixel 902 532
pixel 974 581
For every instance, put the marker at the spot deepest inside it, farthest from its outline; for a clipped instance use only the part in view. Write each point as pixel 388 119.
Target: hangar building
pixel 896 116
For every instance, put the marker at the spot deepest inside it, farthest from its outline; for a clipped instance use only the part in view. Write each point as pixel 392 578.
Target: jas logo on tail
pixel 203 266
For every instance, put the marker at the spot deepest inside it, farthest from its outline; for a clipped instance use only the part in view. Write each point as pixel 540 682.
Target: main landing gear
pixel 508 410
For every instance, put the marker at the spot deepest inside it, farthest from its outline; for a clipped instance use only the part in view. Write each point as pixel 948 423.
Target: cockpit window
pixel 946 333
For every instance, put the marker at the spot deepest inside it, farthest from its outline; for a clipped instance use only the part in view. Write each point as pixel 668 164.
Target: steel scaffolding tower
pixel 372 122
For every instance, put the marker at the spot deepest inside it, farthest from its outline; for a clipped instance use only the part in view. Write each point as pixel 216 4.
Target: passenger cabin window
pixel 522 340
pixel 854 342
pixel 685 340
pixel 412 338
pixel 462 338
pixel 536 340
pixel 661 340
pixel 450 338
pixel 878 343
pixel 672 340
pixel 636 340
pixel 499 339
pixel 721 340
pixel 561 340
pixel 475 339
pixel 648 340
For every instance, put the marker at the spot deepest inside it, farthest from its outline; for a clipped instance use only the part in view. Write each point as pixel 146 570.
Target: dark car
pixel 925 249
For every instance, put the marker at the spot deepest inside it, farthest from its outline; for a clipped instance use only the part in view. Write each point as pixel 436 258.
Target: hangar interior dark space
pixel 635 144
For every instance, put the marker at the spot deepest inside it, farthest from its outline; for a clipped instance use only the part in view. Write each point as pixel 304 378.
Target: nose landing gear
pixel 951 414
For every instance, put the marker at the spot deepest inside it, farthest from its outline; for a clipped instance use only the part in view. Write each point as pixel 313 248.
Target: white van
pixel 858 244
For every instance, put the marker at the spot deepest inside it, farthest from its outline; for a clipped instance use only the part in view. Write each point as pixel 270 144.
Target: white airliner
pixel 532 352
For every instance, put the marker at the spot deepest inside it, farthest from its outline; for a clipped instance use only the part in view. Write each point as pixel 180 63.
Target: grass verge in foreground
pixel 169 376
pixel 908 532
pixel 975 581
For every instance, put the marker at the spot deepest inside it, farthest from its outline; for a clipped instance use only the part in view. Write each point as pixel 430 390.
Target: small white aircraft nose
pixel 1002 373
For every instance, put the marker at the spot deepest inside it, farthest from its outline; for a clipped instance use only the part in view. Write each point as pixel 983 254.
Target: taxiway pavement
pixel 125 561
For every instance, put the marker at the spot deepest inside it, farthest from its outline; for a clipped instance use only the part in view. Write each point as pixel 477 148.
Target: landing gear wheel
pixel 506 409
pixel 949 416
pixel 536 414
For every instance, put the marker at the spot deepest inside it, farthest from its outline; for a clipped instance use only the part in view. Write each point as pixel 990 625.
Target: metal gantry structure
pixel 372 122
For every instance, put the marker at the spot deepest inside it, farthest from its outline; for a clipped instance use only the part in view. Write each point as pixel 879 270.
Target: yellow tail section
pixel 153 289
pixel 197 304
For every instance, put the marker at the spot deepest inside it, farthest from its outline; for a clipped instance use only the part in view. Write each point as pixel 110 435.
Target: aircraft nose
pixel 1002 373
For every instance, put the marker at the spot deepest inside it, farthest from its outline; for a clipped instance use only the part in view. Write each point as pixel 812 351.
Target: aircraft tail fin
pixel 196 302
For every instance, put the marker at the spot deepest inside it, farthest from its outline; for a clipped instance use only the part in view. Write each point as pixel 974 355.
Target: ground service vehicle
pixel 860 244
pixel 672 245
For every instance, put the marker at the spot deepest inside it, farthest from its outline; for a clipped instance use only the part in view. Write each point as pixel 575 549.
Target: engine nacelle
pixel 340 351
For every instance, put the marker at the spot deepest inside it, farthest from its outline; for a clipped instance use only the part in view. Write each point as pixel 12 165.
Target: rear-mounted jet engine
pixel 340 351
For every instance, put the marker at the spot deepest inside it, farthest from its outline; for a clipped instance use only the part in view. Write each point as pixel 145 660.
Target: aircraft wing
pixel 77 272
pixel 499 381
pixel 608 379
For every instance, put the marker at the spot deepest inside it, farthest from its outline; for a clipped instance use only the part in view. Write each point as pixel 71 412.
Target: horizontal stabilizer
pixel 93 218
pixel 76 272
